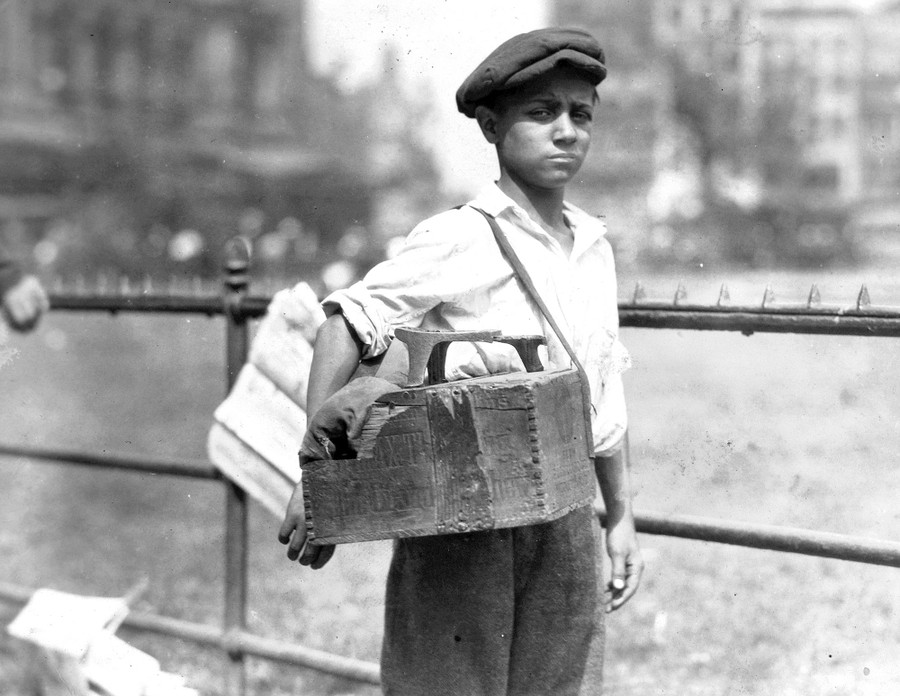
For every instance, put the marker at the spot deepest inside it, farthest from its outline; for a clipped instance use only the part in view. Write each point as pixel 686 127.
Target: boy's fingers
pixel 324 555
pixel 621 596
pixel 617 582
pixel 621 590
pixel 284 532
pixel 310 554
pixel 298 545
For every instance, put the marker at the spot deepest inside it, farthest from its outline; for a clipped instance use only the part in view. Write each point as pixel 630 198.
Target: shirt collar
pixel 493 201
pixel 586 229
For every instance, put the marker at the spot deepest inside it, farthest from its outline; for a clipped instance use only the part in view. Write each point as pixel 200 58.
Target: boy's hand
pixel 338 421
pixel 293 533
pixel 24 303
pixel 627 562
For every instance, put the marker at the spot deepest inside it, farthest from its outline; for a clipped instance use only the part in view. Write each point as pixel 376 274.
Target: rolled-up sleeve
pixel 611 419
pixel 438 264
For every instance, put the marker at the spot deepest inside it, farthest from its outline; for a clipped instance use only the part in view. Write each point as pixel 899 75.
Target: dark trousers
pixel 509 612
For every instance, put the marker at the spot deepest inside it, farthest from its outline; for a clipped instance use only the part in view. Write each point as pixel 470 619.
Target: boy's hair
pixel 527 56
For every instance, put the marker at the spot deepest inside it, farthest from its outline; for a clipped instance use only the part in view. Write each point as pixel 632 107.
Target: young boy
pixel 510 611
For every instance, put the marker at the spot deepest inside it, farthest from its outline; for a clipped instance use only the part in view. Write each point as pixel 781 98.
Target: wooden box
pixel 483 453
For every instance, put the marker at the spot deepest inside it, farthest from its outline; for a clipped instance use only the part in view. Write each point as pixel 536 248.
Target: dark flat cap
pixel 527 56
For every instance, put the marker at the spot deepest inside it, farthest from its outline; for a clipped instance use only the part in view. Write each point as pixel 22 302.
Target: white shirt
pixel 450 275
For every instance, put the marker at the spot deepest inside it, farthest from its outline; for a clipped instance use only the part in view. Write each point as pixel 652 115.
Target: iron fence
pixel 238 307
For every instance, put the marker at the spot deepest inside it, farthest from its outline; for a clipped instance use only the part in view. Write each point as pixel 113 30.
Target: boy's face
pixel 543 130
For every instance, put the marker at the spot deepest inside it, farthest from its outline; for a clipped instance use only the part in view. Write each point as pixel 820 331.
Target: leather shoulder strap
pixel 522 273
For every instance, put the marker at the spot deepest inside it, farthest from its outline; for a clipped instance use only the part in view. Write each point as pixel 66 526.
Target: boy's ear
pixel 487 121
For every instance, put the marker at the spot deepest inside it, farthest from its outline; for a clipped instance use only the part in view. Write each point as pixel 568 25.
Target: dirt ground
pixel 788 430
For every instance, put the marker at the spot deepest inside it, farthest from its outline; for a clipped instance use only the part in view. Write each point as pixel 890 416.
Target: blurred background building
pixel 774 125
pixel 137 135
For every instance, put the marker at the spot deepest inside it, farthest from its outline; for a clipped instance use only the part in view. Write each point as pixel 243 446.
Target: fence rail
pixel 238 307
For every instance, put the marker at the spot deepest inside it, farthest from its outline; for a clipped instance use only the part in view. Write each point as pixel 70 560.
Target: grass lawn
pixel 792 430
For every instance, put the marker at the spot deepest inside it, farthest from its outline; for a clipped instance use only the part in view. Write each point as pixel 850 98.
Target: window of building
pixel 56 75
pixel 838 126
pixel 823 177
pixel 734 60
pixel 812 86
pixel 878 126
pixel 675 14
pixel 105 41
pixel 814 128
pixel 146 59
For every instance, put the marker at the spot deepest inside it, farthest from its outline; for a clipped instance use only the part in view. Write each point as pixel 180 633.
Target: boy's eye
pixel 582 116
pixel 541 113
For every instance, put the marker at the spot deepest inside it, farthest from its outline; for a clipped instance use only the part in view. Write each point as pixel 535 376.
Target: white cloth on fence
pixel 258 428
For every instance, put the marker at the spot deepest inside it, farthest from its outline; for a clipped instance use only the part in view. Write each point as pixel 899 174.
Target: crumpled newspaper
pixel 73 650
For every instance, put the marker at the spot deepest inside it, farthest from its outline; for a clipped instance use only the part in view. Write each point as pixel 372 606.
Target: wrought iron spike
pixel 639 293
pixel 147 284
pixel 814 298
pixel 58 285
pixel 124 285
pixel 173 284
pixel 196 285
pixel 863 300
pixel 768 296
pixel 79 284
pixel 724 296
pixel 102 283
pixel 680 294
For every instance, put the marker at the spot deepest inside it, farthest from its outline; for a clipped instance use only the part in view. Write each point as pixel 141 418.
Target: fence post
pixel 237 280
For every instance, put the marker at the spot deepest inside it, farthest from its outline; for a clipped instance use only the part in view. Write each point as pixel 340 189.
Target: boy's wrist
pixel 612 475
pixel 617 510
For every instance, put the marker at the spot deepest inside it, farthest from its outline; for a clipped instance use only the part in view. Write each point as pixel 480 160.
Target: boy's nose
pixel 565 129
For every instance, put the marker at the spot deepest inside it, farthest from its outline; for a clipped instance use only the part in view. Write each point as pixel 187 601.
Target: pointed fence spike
pixel 814 298
pixel 147 285
pixel 173 284
pixel 79 284
pixel 768 296
pixel 197 285
pixel 639 293
pixel 102 283
pixel 680 294
pixel 124 285
pixel 58 285
pixel 863 300
pixel 724 296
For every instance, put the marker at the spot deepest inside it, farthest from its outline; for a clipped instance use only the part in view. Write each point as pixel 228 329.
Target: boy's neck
pixel 545 206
